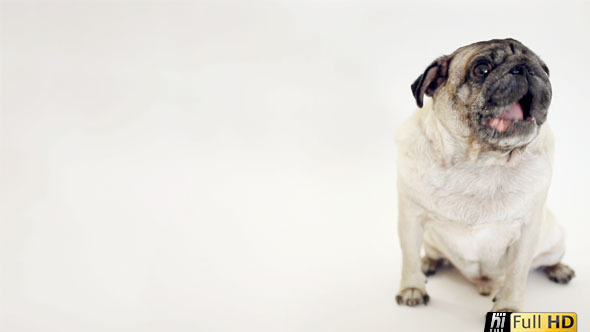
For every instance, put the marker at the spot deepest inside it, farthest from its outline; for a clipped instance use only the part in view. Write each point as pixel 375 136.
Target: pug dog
pixel 474 168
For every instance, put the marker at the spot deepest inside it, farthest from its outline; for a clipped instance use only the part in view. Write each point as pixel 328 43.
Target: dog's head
pixel 497 92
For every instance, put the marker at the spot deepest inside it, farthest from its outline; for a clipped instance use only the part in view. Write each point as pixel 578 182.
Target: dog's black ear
pixel 434 76
pixel 545 68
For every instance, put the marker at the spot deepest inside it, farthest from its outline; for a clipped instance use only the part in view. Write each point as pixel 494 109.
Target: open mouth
pixel 516 112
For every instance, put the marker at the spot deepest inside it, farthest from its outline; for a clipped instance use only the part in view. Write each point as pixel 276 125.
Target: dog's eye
pixel 482 69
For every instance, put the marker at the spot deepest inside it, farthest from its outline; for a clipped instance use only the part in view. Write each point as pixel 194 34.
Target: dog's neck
pixel 457 145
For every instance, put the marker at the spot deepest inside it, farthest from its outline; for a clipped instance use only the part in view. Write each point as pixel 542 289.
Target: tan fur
pixel 479 207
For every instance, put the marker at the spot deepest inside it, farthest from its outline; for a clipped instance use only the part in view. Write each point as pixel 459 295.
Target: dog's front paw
pixel 412 297
pixel 560 273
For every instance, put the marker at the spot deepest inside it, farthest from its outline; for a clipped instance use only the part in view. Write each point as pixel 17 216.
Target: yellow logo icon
pixel 543 322
pixel 531 322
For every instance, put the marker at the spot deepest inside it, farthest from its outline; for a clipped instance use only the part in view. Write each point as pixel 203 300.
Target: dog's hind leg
pixel 432 260
pixel 551 250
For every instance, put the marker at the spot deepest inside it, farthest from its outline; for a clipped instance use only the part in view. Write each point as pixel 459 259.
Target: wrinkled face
pixel 499 90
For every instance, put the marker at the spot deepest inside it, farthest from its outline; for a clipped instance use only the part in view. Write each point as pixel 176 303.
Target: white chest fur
pixel 472 208
pixel 471 194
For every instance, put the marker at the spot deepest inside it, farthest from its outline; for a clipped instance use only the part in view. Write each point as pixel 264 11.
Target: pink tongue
pixel 514 112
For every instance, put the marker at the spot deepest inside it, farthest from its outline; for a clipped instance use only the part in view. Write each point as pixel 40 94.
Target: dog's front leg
pixel 410 231
pixel 519 257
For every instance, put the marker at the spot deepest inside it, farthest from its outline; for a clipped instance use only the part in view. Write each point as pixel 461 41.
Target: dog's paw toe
pixel 484 289
pixel 412 297
pixel 560 273
pixel 430 265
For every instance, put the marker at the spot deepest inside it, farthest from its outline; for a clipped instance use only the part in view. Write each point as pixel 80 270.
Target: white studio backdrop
pixel 230 166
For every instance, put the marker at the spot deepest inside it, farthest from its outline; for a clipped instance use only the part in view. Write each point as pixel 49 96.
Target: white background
pixel 230 166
